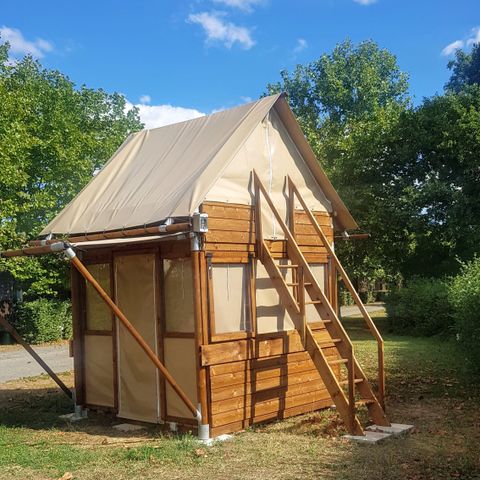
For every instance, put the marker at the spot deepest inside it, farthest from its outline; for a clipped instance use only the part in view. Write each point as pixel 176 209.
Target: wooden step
pixel 364 401
pixel 338 362
pixel 345 382
pixel 328 343
pixel 287 266
pixel 313 302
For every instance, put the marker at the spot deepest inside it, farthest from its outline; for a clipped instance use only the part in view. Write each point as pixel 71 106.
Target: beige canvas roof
pixel 169 171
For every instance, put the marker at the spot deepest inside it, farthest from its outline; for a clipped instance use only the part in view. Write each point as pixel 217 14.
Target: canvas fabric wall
pixel 271 314
pixel 179 356
pixel 231 298
pixel 138 380
pixel 178 294
pixel 272 153
pixel 318 270
pixel 99 386
pixel 98 315
pixel 169 171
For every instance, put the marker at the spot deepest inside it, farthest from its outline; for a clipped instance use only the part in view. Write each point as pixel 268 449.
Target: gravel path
pixel 16 363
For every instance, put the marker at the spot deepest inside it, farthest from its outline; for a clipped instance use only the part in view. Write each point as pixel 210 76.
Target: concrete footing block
pixel 377 433
pixel 221 438
pixel 73 417
pixel 393 429
pixel 369 437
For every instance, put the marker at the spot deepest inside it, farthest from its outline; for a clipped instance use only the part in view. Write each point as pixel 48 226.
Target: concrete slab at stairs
pixel 376 434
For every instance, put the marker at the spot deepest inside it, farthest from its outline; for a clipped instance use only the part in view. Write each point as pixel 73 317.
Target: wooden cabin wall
pixel 253 378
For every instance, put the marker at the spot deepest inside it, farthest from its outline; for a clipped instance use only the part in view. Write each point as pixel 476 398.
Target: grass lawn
pixel 427 385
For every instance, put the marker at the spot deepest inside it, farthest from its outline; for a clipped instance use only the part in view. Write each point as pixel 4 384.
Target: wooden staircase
pixel 304 290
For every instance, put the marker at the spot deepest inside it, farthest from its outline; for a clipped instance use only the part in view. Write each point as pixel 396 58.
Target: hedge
pixel 465 300
pixel 43 320
pixel 422 307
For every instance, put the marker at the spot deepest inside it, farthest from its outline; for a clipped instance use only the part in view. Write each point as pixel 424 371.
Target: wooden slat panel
pixel 226 352
pixel 275 394
pixel 219 236
pixel 255 385
pixel 289 412
pixel 231 224
pixel 229 247
pixel 225 210
pixel 234 379
pixel 259 364
pixel 272 406
pixel 323 218
pixel 311 240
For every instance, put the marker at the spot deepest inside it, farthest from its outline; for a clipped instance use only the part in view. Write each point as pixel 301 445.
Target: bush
pixel 345 297
pixel 43 320
pixel 420 308
pixel 465 300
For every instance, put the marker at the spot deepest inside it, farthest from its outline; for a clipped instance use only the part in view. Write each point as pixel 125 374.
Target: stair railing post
pixel 351 388
pixel 291 226
pixel 301 304
pixel 381 375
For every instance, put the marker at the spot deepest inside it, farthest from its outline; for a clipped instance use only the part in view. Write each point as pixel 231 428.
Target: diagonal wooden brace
pixel 6 325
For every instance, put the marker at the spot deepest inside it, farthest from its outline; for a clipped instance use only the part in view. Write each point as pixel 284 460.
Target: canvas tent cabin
pixel 214 237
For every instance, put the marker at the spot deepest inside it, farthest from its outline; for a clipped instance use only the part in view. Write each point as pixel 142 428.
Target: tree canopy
pixel 54 136
pixel 465 69
pixel 409 175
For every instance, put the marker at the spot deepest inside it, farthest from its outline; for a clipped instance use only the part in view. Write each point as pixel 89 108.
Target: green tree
pixel 53 137
pixel 444 139
pixel 350 104
pixel 465 69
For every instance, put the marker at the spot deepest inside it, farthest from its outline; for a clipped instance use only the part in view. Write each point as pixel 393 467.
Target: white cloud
pixel 475 38
pixel 244 5
pixel 246 99
pixel 159 115
pixel 217 29
pixel 301 45
pixel 19 45
pixel 452 47
pixel 469 40
pixel 145 99
pixel 365 2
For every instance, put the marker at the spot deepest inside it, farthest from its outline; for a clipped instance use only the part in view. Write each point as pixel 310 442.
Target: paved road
pixel 353 310
pixel 17 363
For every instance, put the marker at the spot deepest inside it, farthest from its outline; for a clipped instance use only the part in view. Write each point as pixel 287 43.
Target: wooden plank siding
pixel 269 376
pixel 260 379
pixel 231 233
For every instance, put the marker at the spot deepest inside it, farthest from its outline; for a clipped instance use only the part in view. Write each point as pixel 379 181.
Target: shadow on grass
pixel 40 409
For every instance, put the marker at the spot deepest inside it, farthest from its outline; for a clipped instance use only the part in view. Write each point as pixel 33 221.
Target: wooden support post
pixel 197 258
pixel 133 331
pixel 6 325
pixel 78 324
pixel 258 220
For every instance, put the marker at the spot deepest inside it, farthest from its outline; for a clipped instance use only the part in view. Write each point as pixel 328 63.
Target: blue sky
pixel 179 59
